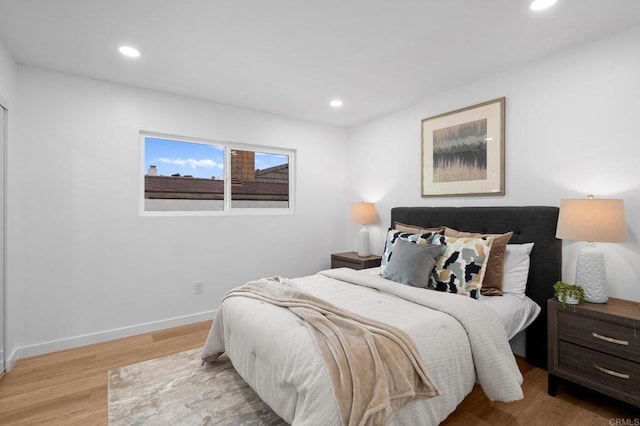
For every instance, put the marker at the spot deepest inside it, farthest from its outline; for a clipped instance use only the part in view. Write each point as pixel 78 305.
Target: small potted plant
pixel 566 293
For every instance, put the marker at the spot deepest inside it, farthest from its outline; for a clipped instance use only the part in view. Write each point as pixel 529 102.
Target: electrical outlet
pixel 197 287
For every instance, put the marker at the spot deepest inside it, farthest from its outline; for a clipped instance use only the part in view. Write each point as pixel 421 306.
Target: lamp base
pixel 591 274
pixel 364 248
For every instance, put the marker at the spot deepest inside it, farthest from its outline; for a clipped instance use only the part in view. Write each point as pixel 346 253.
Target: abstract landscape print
pixel 463 151
pixel 460 152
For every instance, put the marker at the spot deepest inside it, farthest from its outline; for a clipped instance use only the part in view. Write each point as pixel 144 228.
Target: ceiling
pixel 291 57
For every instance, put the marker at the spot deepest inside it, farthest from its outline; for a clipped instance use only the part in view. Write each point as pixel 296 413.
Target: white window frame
pixel 227 207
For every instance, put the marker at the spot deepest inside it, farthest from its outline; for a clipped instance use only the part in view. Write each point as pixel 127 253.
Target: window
pixel 186 176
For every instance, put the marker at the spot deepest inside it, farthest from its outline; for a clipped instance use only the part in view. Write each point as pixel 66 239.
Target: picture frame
pixel 463 151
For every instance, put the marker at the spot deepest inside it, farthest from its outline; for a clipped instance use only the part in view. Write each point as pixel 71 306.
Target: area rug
pixel 179 390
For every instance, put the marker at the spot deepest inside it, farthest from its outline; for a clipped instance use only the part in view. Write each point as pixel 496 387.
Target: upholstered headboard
pixel 535 224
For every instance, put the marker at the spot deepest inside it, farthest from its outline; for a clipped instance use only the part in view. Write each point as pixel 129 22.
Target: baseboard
pixel 103 336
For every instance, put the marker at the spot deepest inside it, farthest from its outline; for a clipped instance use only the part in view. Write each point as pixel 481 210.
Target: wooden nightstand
pixel 596 346
pixel 351 260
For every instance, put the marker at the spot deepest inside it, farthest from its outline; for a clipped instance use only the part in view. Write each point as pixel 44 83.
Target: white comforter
pixel 457 337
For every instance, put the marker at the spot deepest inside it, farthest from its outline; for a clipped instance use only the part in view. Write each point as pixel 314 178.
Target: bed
pixel 460 341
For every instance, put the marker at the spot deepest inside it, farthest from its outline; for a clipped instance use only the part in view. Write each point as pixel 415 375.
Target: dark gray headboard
pixel 535 224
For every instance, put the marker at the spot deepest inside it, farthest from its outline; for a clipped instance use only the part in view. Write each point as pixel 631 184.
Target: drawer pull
pixel 610 339
pixel 610 372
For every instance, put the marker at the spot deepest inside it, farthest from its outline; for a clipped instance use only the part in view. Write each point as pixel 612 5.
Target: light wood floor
pixel 573 405
pixel 70 388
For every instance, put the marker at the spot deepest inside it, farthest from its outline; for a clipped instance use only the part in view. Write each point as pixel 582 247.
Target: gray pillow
pixel 412 263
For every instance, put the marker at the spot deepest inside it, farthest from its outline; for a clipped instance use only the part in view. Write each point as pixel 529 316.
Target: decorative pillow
pixel 392 238
pixel 412 263
pixel 412 229
pixel 494 276
pixel 516 268
pixel 461 266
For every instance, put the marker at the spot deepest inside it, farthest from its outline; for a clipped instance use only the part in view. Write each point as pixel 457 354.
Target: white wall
pixel 8 71
pixel 87 267
pixel 571 129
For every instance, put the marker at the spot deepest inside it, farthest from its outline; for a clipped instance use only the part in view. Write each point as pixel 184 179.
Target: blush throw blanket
pixel 375 368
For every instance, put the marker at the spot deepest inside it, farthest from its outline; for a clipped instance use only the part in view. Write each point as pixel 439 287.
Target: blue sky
pixel 196 159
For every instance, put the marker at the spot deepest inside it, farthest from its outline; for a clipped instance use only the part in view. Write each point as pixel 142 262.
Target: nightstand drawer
pixel 614 339
pixel 600 371
pixel 341 263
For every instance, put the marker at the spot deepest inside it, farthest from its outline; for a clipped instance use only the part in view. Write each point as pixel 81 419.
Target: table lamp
pixel 363 214
pixel 592 220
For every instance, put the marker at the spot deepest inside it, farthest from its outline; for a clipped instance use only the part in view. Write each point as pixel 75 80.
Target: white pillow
pixel 516 269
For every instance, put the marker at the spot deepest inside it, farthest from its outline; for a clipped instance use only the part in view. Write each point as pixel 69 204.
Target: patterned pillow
pixel 494 275
pixel 393 235
pixel 461 266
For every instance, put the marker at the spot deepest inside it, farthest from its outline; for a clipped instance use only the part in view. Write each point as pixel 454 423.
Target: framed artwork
pixel 463 151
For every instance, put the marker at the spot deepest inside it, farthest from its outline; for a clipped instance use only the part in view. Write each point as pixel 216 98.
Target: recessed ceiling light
pixel 336 103
pixel 129 51
pixel 541 4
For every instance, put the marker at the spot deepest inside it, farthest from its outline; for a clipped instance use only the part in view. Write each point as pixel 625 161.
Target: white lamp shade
pixel 363 213
pixel 592 220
